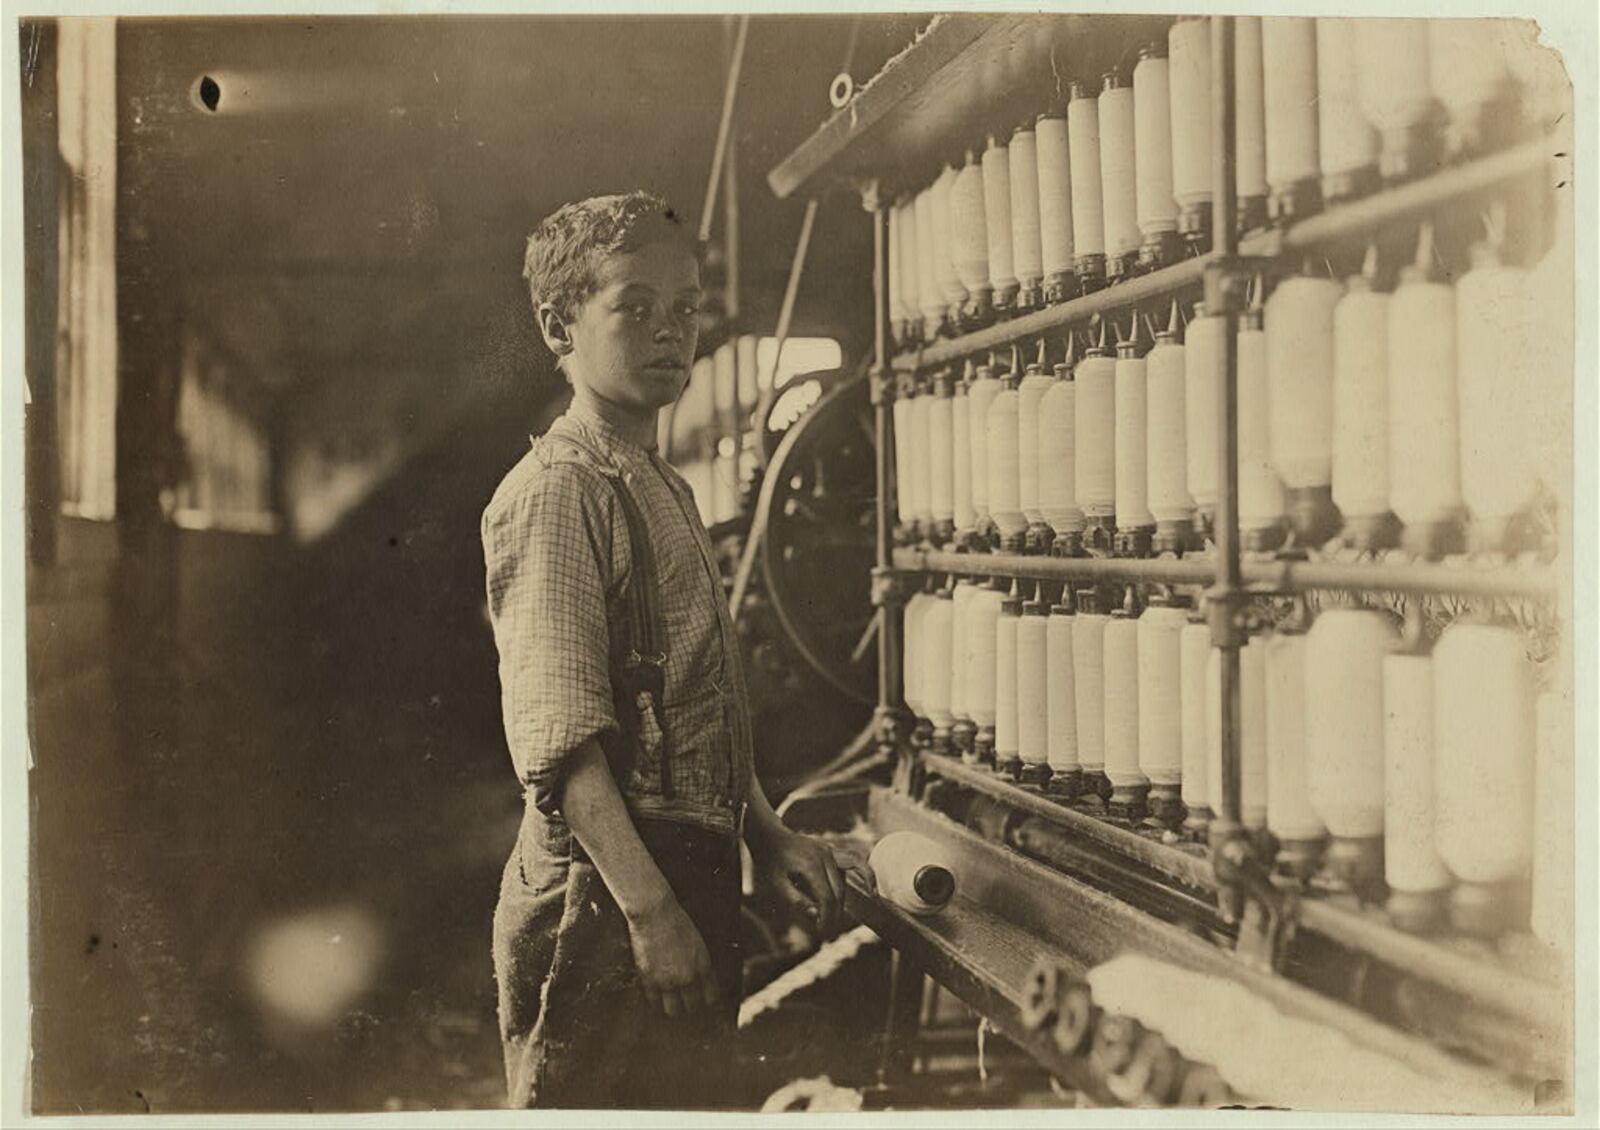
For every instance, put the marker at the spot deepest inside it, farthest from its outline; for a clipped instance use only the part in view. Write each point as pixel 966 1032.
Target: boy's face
pixel 632 343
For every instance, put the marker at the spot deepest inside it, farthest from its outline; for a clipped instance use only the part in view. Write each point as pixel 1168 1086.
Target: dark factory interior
pixel 254 722
pixel 280 352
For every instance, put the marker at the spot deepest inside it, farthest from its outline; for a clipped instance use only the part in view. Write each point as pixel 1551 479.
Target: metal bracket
pixel 1264 911
pixel 890 586
pixel 882 385
pixel 1227 282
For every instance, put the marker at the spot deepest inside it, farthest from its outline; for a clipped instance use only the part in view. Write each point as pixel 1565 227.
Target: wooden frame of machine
pixel 1236 649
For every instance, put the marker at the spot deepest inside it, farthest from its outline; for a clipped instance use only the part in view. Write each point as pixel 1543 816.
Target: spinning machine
pixel 1221 547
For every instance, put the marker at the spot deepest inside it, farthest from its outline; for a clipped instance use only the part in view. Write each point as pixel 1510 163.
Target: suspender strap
pixel 639 674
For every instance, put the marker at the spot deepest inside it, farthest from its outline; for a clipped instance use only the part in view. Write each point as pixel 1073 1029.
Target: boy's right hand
pixel 674 964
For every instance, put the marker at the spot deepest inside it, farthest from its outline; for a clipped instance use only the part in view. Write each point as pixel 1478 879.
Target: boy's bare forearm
pixel 595 812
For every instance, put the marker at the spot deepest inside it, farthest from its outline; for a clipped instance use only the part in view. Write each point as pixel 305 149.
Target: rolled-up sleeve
pixel 547 547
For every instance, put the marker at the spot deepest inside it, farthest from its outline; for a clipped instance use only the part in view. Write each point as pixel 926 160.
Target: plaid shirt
pixel 556 548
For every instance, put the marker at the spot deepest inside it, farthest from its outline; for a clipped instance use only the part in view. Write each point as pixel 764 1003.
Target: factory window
pixel 227 481
pixel 86 326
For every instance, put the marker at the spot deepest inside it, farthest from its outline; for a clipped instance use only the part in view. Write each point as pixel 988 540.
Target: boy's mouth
pixel 673 363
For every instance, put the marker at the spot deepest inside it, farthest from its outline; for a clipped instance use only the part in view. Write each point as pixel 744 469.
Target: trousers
pixel 575 1025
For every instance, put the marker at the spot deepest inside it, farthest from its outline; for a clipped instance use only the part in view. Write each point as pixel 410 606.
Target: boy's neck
pixel 633 424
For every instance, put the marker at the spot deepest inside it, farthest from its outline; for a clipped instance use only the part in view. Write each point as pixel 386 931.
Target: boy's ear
pixel 554 329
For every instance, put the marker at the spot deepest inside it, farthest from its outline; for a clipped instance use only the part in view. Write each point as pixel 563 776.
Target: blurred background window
pixel 86 332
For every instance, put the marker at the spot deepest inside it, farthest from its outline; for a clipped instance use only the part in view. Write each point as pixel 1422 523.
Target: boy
pixel 616 935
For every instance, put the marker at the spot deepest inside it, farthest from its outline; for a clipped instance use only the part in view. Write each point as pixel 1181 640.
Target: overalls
pixel 577 1030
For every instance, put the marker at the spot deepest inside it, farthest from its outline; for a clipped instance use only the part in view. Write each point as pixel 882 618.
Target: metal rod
pixel 882 417
pixel 730 93
pixel 791 292
pixel 758 422
pixel 1222 300
pixel 1259 577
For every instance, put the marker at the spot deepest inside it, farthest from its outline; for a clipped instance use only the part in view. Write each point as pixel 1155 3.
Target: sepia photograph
pixel 766 560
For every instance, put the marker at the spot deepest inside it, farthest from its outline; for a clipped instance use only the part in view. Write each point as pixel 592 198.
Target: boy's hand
pixel 674 964
pixel 802 872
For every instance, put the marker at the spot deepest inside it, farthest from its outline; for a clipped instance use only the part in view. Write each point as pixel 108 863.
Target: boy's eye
pixel 688 309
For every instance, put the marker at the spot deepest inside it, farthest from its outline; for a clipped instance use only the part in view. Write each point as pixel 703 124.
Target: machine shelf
pixel 1493 990
pixel 1344 227
pixel 1508 582
pixel 966 75
pixel 986 956
pixel 1191 870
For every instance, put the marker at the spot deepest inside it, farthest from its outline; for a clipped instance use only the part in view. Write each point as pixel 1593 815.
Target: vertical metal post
pixel 1223 298
pixel 885 593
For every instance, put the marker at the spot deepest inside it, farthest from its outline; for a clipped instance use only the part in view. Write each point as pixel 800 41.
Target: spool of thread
pixel 1419 885
pixel 1166 448
pixel 1135 523
pixel 1202 366
pixel 1026 250
pixel 951 288
pixel 897 307
pixel 930 299
pixel 1058 492
pixel 1094 443
pixel 913 872
pixel 1290 817
pixel 1118 180
pixel 961 457
pixel 1030 395
pixel 1189 76
pixel 1346 143
pixel 1550 284
pixel 1554 825
pixel 1393 79
pixel 1033 686
pixel 1424 448
pixel 1361 412
pixel 1344 740
pixel 983 631
pixel 1007 739
pixel 1130 788
pixel 941 459
pixel 922 460
pixel 1156 207
pixel 1483 730
pixel 1253 734
pixel 905 505
pixel 911 635
pixel 1161 709
pixel 970 241
pixel 962 729
pixel 1299 325
pixel 1005 467
pixel 1089 687
pixel 997 218
pixel 1469 75
pixel 1088 210
pixel 910 269
pixel 1066 776
pixel 1289 85
pixel 938 634
pixel 1260 490
pixel 980 397
pixel 1499 434
pixel 1250 122
pixel 725 386
pixel 1055 206
pixel 1194 645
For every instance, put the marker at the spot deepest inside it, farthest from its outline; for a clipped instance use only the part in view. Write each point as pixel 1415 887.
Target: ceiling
pixel 357 203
